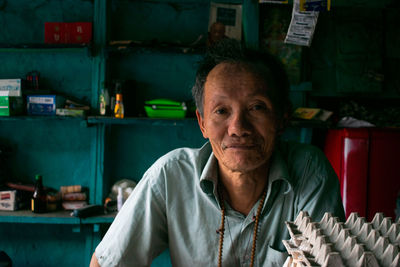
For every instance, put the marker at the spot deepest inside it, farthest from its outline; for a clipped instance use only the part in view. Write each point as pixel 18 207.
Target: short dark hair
pixel 261 63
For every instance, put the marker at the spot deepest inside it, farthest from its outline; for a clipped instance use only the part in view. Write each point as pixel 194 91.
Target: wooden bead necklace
pixel 221 230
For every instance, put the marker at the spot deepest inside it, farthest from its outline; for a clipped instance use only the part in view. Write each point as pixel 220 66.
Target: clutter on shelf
pixel 119 193
pixel 73 197
pixel 375 115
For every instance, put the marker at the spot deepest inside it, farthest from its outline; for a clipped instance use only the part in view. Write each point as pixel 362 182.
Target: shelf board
pixel 93 120
pixel 308 124
pixel 44 47
pixel 356 95
pixel 141 121
pixel 57 217
pixel 162 48
pixel 39 118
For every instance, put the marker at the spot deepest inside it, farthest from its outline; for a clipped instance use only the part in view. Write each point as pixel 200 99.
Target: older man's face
pixel 238 118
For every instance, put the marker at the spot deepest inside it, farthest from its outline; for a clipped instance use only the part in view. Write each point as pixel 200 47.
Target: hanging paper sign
pixel 302 26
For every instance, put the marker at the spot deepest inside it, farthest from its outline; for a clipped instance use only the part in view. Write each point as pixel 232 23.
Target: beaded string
pixel 221 230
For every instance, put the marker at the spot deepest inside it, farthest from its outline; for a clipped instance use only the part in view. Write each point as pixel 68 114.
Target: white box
pixel 8 200
pixel 12 86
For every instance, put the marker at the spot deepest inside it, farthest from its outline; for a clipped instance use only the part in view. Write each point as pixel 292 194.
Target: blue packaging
pixel 41 104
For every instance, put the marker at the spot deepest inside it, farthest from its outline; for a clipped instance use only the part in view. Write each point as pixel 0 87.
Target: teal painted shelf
pixel 58 217
pixel 141 121
pixel 47 48
pixel 98 120
pixel 186 121
pixel 40 118
pixel 151 48
pixel 43 47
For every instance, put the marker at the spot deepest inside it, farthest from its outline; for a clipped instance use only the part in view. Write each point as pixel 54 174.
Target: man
pixel 217 33
pixel 225 204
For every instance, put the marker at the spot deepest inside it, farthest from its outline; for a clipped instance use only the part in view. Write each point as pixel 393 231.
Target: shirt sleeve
pixel 319 189
pixel 139 232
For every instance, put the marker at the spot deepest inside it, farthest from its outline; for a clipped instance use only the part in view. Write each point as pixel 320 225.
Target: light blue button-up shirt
pixel 175 206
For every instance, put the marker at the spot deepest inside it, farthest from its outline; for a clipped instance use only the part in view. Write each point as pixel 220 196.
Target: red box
pixel 67 33
pixel 55 33
pixel 79 32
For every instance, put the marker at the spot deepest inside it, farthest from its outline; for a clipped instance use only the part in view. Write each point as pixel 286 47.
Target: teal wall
pixel 142 145
pixel 174 73
pixel 44 244
pixel 178 22
pixel 57 149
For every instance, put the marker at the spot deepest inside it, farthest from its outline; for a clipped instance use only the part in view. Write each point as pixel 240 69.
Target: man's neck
pixel 243 190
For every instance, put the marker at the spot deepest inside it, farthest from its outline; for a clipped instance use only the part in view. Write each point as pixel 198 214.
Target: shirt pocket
pixel 275 258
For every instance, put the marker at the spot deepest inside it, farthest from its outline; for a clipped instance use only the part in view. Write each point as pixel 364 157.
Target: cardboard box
pixel 11 102
pixel 70 112
pixel 8 200
pixel 11 86
pixel 41 104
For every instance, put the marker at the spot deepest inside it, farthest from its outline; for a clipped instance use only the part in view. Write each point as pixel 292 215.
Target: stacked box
pixel 8 200
pixel 11 102
pixel 41 104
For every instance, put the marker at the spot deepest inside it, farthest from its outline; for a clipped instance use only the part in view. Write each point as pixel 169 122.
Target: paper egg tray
pixel 355 242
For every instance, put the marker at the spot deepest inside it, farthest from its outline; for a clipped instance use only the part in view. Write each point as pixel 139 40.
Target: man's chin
pixel 245 166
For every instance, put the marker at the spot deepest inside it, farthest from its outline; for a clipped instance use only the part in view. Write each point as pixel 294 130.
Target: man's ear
pixel 200 121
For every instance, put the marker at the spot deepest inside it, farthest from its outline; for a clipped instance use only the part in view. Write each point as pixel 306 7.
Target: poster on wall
pixel 225 21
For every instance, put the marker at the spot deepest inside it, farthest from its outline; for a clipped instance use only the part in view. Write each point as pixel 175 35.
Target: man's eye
pixel 259 107
pixel 220 111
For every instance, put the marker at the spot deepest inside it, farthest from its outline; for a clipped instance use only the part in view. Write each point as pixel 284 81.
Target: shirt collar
pixel 209 176
pixel 278 171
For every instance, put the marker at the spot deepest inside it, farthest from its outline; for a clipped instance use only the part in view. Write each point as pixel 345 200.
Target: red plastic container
pixel 367 162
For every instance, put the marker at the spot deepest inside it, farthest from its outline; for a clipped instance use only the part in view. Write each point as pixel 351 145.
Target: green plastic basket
pixel 165 108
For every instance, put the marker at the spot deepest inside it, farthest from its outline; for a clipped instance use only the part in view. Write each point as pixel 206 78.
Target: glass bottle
pixel 38 202
pixel 104 100
pixel 119 107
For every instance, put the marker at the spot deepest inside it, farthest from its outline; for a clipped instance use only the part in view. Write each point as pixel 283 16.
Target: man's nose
pixel 239 125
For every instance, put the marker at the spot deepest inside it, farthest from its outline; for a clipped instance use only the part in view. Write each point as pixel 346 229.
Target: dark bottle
pixel 38 202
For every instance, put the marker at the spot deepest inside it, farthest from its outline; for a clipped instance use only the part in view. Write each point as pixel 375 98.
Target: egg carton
pixel 354 243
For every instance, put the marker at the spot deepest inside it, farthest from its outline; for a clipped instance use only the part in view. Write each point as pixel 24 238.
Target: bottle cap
pixel 38 176
pixel 119 97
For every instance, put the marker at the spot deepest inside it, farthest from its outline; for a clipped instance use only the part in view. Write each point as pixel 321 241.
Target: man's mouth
pixel 239 146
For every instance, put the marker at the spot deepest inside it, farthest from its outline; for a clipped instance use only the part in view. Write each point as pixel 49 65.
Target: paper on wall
pixel 302 26
pixel 228 14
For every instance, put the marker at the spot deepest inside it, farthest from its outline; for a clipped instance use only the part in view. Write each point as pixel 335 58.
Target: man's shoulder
pixel 185 154
pixel 305 158
pixel 184 158
pixel 299 151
